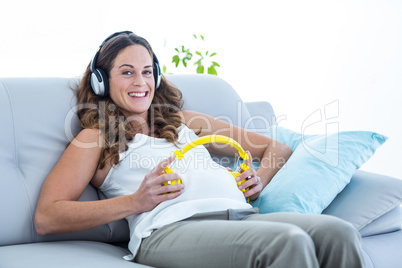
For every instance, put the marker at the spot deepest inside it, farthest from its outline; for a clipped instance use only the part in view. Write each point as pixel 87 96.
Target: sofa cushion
pixel 383 250
pixel 319 168
pixel 367 197
pixel 65 254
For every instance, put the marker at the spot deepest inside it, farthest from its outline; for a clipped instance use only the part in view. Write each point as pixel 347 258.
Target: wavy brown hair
pixel 101 113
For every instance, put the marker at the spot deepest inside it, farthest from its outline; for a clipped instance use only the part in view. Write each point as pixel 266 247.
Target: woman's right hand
pixel 152 191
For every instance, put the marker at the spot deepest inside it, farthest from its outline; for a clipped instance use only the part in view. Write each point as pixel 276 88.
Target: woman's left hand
pixel 252 181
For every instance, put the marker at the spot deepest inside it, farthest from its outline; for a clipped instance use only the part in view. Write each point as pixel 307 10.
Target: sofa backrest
pixel 214 96
pixel 37 120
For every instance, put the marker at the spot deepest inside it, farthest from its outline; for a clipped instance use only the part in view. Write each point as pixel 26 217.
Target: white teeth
pixel 134 94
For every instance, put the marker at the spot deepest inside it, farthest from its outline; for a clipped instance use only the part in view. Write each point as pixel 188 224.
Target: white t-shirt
pixel 207 186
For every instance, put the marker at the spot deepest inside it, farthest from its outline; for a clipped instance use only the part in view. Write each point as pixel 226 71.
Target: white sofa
pixel 37 120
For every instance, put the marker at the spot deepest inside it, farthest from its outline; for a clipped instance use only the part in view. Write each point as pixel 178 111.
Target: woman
pixel 132 121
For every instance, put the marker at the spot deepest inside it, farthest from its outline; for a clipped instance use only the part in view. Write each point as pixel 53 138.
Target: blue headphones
pixel 99 78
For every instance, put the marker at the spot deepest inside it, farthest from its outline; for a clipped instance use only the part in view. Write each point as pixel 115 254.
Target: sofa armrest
pixel 387 223
pixel 367 197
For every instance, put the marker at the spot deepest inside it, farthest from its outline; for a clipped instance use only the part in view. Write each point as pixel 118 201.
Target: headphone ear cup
pixel 100 83
pixel 157 71
pixel 157 75
pixel 105 83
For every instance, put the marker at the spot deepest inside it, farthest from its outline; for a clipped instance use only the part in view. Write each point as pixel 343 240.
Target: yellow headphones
pixel 211 139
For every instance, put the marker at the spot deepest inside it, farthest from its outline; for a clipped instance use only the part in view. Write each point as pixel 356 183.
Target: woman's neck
pixel 139 123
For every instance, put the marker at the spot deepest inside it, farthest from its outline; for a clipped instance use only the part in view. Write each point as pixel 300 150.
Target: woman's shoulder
pixel 190 115
pixel 90 131
pixel 88 137
pixel 196 120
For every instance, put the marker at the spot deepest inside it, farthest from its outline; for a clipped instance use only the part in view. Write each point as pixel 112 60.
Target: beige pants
pixel 245 238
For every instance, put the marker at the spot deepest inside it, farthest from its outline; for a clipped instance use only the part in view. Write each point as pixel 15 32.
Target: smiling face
pixel 131 81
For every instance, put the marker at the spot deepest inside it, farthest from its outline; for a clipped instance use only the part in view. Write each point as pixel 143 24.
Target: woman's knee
pixel 292 247
pixel 285 236
pixel 337 241
pixel 297 236
pixel 339 229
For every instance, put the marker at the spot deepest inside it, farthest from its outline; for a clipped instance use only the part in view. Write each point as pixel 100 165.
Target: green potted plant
pixel 201 59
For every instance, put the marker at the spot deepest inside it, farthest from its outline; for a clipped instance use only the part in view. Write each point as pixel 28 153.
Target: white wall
pixel 299 55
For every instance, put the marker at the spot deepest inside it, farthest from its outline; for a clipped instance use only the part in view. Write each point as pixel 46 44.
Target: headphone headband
pixel 95 57
pixel 99 78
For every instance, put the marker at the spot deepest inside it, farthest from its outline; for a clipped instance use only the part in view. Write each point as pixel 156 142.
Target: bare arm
pixel 58 210
pixel 271 153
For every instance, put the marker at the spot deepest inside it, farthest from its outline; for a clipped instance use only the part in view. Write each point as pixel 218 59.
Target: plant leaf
pixel 176 60
pixel 212 70
pixel 198 62
pixel 214 63
pixel 200 69
pixel 213 54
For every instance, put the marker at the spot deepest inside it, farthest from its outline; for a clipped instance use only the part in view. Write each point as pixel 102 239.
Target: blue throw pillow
pixel 319 168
